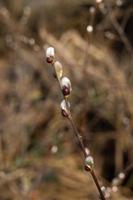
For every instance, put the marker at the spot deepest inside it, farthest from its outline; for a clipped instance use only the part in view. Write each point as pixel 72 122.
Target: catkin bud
pixel 103 189
pixel 58 69
pixel 121 176
pixel 65 108
pixel 99 1
pixel 92 10
pixel 89 162
pixel 66 86
pixel 89 28
pixel 50 54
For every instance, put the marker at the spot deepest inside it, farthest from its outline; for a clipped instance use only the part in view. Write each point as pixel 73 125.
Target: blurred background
pixel 39 158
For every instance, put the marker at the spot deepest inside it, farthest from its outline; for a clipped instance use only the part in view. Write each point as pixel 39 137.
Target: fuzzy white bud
pixel 87 151
pixel 58 69
pixel 119 3
pixel 121 176
pixel 89 162
pixel 103 189
pixel 92 10
pixel 66 86
pixel 89 29
pixel 99 1
pixel 114 188
pixel 65 108
pixel 50 54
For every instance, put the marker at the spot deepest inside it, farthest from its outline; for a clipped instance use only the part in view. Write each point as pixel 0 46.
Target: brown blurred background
pixel 39 158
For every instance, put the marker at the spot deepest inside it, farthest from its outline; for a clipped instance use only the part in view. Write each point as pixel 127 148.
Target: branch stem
pixel 80 141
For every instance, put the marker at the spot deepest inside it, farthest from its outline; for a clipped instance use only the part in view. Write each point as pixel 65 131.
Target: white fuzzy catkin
pixel 121 175
pixel 50 52
pixel 99 1
pixel 89 29
pixel 66 82
pixel 89 161
pixel 64 106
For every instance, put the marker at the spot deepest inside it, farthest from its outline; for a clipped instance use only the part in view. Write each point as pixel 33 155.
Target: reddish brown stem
pixel 91 171
pixel 97 184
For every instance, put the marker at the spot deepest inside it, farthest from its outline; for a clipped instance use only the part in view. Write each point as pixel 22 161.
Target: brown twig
pixel 119 30
pixel 91 171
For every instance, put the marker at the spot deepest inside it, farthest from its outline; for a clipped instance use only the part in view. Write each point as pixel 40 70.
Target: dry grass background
pixel 30 122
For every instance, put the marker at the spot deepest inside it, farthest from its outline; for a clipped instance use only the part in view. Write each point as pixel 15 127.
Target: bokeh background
pixel 39 158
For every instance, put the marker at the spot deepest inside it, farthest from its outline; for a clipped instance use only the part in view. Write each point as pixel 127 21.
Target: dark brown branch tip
pixel 64 113
pixel 87 168
pixel 65 91
pixel 49 60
